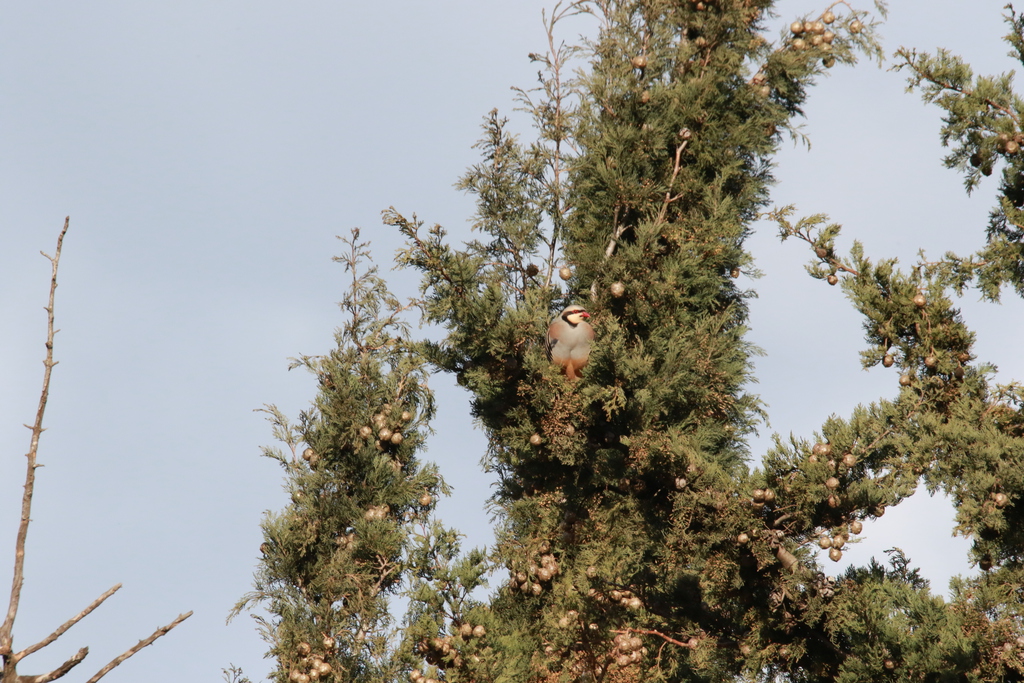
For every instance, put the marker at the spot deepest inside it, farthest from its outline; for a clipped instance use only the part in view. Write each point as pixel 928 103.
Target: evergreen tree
pixel 638 541
pixel 341 549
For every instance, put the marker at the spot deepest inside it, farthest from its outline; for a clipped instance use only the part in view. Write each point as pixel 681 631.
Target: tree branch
pixel 647 632
pixel 66 625
pixel 675 174
pixel 30 476
pixel 947 85
pixel 10 659
pixel 162 631
pixel 59 671
pixel 617 231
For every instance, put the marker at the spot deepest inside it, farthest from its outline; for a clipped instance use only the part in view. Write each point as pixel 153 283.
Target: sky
pixel 209 152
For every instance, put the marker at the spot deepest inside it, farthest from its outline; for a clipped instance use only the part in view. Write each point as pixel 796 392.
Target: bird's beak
pixel 584 314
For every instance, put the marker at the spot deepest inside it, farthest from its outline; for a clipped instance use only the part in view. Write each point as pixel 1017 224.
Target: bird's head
pixel 574 315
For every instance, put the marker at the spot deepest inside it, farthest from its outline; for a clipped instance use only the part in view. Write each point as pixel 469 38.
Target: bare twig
pixel 162 631
pixel 66 625
pixel 671 183
pixel 617 231
pixel 6 640
pixel 647 632
pixel 67 666
pixel 8 657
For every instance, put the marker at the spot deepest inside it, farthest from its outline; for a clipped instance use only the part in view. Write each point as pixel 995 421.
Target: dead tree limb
pixel 6 629
pixel 8 657
pixel 66 625
pixel 59 671
pixel 162 631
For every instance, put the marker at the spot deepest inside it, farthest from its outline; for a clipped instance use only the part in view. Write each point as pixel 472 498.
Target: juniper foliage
pixel 638 542
pixel 360 498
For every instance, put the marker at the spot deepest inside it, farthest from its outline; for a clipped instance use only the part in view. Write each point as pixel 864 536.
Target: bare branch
pixel 10 659
pixel 675 174
pixel 66 625
pixel 162 631
pixel 59 671
pixel 646 632
pixel 617 231
pixel 30 477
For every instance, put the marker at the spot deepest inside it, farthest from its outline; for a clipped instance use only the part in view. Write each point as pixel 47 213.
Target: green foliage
pixel 621 495
pixel 639 543
pixel 982 124
pixel 446 626
pixel 341 549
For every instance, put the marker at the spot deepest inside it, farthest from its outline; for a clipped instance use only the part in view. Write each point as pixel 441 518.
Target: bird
pixel 568 340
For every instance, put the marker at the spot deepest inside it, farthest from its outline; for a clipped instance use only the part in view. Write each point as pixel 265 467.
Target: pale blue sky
pixel 208 153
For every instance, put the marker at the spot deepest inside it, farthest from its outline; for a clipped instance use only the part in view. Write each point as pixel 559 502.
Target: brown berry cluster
pixel 627 649
pixel 346 540
pixel 376 512
pixel 813 34
pixel 760 497
pixel 1005 144
pixel 312 666
pixel 760 81
pixel 437 651
pixel 817 35
pixel 443 650
pixel 624 598
pixel 530 581
pixel 834 544
pixel 819 451
pixel 386 427
pixel 835 541
pixel 568 619
pixel 468 630
pixel 416 676
pixel 848 460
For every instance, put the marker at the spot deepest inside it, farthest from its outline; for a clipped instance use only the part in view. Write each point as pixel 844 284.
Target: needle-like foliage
pixel 638 540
